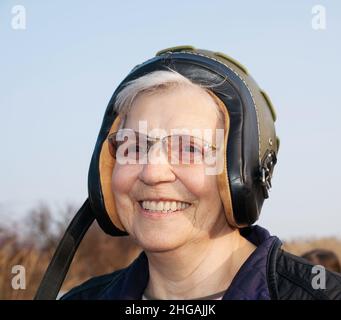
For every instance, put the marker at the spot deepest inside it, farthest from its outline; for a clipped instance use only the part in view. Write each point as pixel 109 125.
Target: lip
pixel 162 199
pixel 158 214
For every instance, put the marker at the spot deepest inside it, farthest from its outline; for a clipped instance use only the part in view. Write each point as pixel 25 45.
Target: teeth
pixel 164 206
pixel 173 206
pixel 167 206
pixel 159 206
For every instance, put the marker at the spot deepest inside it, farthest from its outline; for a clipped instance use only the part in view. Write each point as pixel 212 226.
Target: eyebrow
pixel 169 135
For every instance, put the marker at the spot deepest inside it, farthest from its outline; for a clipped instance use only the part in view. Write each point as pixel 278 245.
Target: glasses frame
pixel 151 141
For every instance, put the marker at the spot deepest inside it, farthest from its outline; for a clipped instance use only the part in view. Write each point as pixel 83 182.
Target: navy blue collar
pixel 250 282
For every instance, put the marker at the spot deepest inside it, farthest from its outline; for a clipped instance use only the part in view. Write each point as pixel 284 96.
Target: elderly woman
pixel 182 165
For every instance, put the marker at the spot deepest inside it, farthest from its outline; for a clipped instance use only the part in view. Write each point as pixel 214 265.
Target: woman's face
pixel 181 107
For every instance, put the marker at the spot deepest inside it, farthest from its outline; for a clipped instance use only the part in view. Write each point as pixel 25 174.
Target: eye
pixel 192 148
pixel 134 150
pixel 138 148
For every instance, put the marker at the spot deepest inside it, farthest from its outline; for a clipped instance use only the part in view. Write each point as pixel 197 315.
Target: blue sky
pixel 57 76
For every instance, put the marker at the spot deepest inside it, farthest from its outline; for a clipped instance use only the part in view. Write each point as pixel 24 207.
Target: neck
pixel 197 269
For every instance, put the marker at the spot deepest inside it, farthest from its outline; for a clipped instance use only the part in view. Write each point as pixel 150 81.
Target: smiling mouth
pixel 162 207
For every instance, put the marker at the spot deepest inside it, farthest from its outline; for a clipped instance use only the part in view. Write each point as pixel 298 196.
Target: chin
pixel 159 242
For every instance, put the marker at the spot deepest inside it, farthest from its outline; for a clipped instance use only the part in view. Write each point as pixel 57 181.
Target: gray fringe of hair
pixel 150 83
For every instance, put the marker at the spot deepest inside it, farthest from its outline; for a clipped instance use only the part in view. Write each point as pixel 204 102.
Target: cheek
pixel 198 182
pixel 120 180
pixel 205 188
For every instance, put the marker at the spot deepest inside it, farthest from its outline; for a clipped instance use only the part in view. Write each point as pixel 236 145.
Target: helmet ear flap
pixel 223 177
pixel 106 166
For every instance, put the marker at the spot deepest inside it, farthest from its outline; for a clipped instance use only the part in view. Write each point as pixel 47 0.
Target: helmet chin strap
pixel 62 258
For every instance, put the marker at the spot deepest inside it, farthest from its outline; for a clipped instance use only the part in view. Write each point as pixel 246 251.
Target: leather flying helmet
pixel 251 144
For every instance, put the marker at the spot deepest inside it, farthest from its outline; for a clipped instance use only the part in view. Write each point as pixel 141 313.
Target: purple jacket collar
pixel 250 283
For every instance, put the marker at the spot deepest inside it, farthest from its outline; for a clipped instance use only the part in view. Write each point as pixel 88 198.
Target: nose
pixel 157 169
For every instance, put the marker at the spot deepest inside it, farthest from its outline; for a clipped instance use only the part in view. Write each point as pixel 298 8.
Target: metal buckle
pixel 268 164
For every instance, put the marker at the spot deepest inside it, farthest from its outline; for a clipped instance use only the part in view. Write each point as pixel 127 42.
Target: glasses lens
pixel 127 144
pixel 185 149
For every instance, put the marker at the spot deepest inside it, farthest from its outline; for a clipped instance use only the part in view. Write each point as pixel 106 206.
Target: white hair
pixel 150 83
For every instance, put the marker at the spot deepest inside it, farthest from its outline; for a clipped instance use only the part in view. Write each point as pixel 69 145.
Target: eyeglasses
pixel 132 146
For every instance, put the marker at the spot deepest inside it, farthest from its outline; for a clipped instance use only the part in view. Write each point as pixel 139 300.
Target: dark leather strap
pixel 62 258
